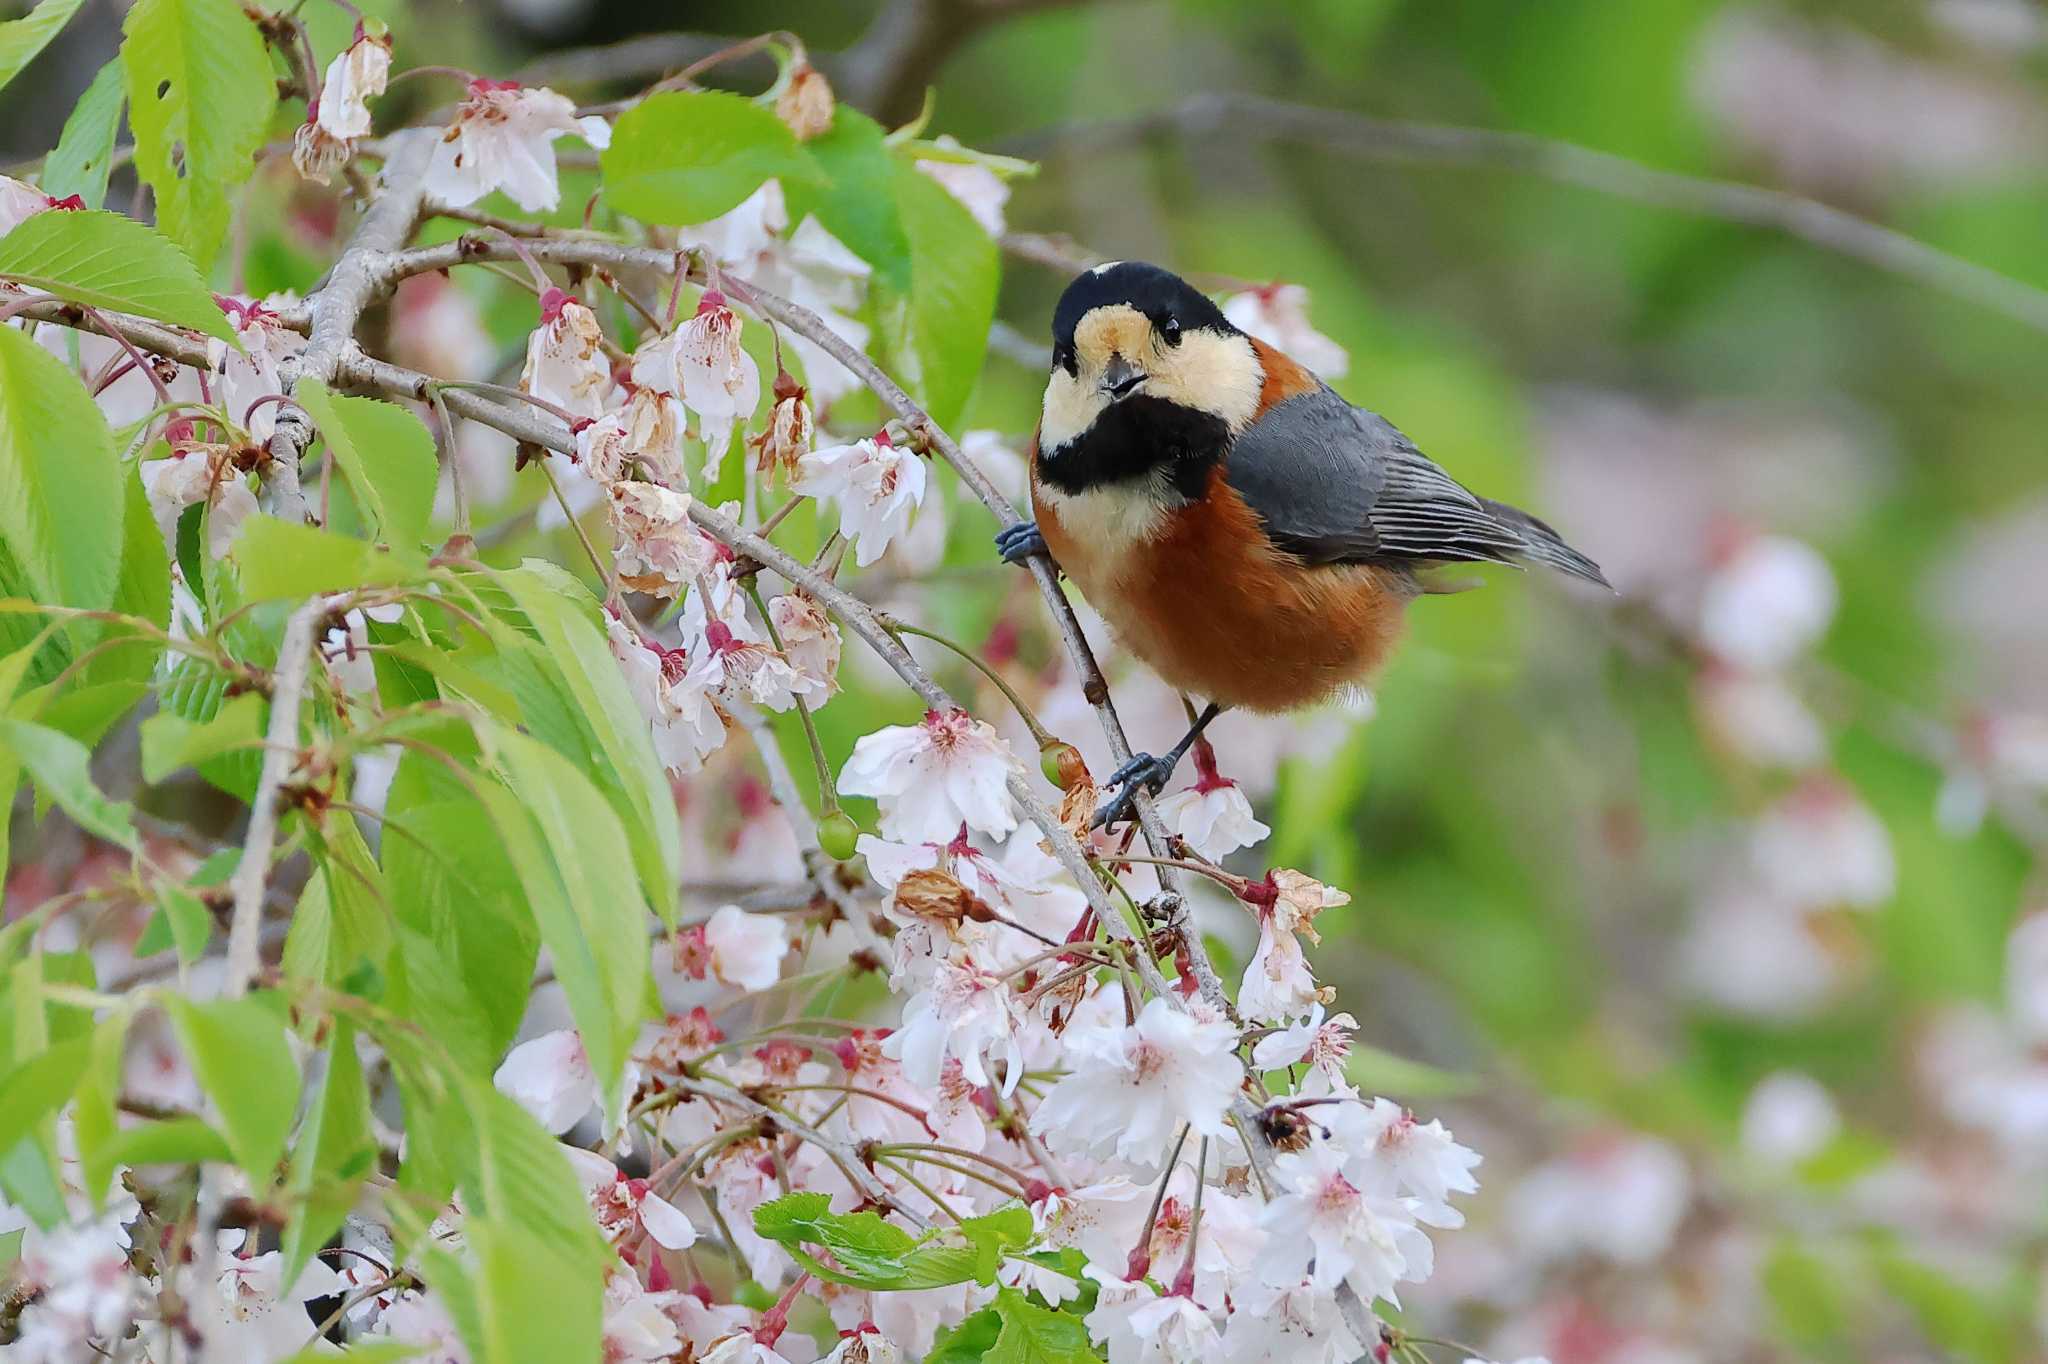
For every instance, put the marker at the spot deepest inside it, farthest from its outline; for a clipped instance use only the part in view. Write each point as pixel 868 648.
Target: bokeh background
pixel 1702 912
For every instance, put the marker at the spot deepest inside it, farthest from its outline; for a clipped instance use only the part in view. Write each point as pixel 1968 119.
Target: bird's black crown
pixel 1158 294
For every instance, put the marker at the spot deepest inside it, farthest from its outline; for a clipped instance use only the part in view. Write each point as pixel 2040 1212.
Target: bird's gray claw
pixel 1143 771
pixel 1019 542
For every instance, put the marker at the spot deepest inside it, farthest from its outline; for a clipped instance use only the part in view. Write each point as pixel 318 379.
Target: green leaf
pixel 572 859
pixel 278 559
pixel 85 149
pixel 993 1236
pixel 683 158
pixel 943 321
pixel 173 1141
pixel 533 1303
pixel 573 643
pixel 368 1351
pixel 239 1054
pixel 186 917
pixel 105 260
pixel 1034 1335
pixel 870 1252
pixel 341 934
pixel 39 1086
pixel 21 39
pixel 170 741
pixel 337 1150
pixel 200 94
pixel 972 1339
pixel 61 508
pixel 851 204
pixel 387 455
pixel 94 1122
pixel 61 767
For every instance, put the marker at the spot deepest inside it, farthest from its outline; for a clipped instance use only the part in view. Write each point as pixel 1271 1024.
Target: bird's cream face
pixel 1120 353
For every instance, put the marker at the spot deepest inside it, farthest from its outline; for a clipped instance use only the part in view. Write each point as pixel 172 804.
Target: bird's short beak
pixel 1121 378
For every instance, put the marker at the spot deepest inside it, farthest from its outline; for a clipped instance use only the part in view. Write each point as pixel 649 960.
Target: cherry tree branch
pixel 1231 114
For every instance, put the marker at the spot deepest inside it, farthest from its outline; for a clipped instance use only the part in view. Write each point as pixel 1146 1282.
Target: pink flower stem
pixel 163 392
pixel 1184 1282
pixel 1140 1263
pixel 1014 1190
pixel 1039 734
pixel 776 1319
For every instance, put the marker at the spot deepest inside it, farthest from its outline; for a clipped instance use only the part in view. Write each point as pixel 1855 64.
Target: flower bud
pixel 837 834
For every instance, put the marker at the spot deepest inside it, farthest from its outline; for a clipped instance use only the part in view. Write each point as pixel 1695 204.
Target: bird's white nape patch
pixel 1105 266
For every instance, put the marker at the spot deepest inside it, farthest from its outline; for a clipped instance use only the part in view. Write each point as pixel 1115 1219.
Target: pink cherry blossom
pixel 628 1209
pixel 735 948
pixel 550 1077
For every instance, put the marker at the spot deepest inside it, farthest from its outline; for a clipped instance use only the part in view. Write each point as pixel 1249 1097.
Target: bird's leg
pixel 1147 772
pixel 1019 542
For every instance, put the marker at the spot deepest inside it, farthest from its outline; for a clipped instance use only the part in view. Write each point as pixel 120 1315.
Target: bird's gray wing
pixel 1336 484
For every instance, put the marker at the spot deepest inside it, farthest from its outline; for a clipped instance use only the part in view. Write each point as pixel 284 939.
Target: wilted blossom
pixel 686 725
pixel 341 114
pixel 194 473
pixel 658 548
pixel 565 359
pixel 1277 314
pixel 876 485
pixel 503 139
pixel 980 190
pixel 1131 1088
pixel 247 382
pixel 805 101
pixel 1278 983
pixel 931 778
pixel 730 654
pixel 704 364
pixel 786 439
pixel 810 640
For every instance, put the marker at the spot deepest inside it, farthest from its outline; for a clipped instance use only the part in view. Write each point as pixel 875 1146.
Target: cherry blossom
pixel 786 439
pixel 1415 1160
pixel 550 1077
pixel 1822 846
pixel 1788 1118
pixel 686 725
pixel 931 778
pixel 245 378
pixel 193 474
pixel 1278 315
pixel 354 78
pixel 1139 1325
pixel 810 639
pixel 1618 1196
pixel 87 1293
pixel 1294 1324
pixel 865 1344
pixel 503 139
pixel 1212 815
pixel 1131 1088
pixel 654 424
pixel 1767 602
pixel 875 484
pixel 734 948
pixel 732 655
pixel 19 201
pixel 1332 1231
pixel 964 1015
pixel 1278 983
pixel 1323 1045
pixel 703 363
pixel 637 1328
pixel 565 359
pixel 250 1312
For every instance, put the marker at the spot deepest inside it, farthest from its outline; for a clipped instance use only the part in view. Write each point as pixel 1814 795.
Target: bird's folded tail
pixel 1542 545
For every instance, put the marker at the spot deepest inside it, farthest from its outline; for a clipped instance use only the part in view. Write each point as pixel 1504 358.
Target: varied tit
pixel 1251 536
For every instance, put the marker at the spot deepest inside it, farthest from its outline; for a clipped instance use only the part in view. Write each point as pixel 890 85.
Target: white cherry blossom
pixel 1131 1088
pixel 1766 603
pixel 1277 314
pixel 1328 1229
pixel 876 485
pixel 734 948
pixel 1214 818
pixel 565 360
pixel 931 778
pixel 354 78
pixel 503 139
pixel 686 725
pixel 550 1077
pixel 980 190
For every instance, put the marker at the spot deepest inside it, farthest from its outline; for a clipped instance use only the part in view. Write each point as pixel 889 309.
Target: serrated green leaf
pixel 851 202
pixel 21 39
pixel 943 321
pixel 278 559
pixel 61 509
pixel 170 741
pixel 686 157
pixel 61 767
pixel 574 865
pixel 994 1236
pixel 239 1054
pixel 336 1152
pixel 969 1342
pixel 105 260
pixel 200 95
pixel 84 154
pixel 387 455
pixel 1034 1335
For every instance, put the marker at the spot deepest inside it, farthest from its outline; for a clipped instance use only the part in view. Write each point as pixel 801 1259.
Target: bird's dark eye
pixel 1063 358
pixel 1170 329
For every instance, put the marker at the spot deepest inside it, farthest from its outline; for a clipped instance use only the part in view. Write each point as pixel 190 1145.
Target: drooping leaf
pixel 61 503
pixel 387 455
pixel 336 1151
pixel 106 260
pixel 186 924
pixel 21 39
pixel 94 1122
pixel 572 639
pixel 576 870
pixel 1035 1335
pixel 38 1087
pixel 200 94
pixel 239 1054
pixel 170 741
pixel 278 559
pixel 686 157
pixel 84 154
pixel 942 323
pixel 61 767
pixel 850 202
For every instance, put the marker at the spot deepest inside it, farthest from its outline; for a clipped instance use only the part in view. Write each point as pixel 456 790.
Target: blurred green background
pixel 1554 860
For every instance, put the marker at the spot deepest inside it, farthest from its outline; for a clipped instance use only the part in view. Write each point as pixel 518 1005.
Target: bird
pixel 1247 533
